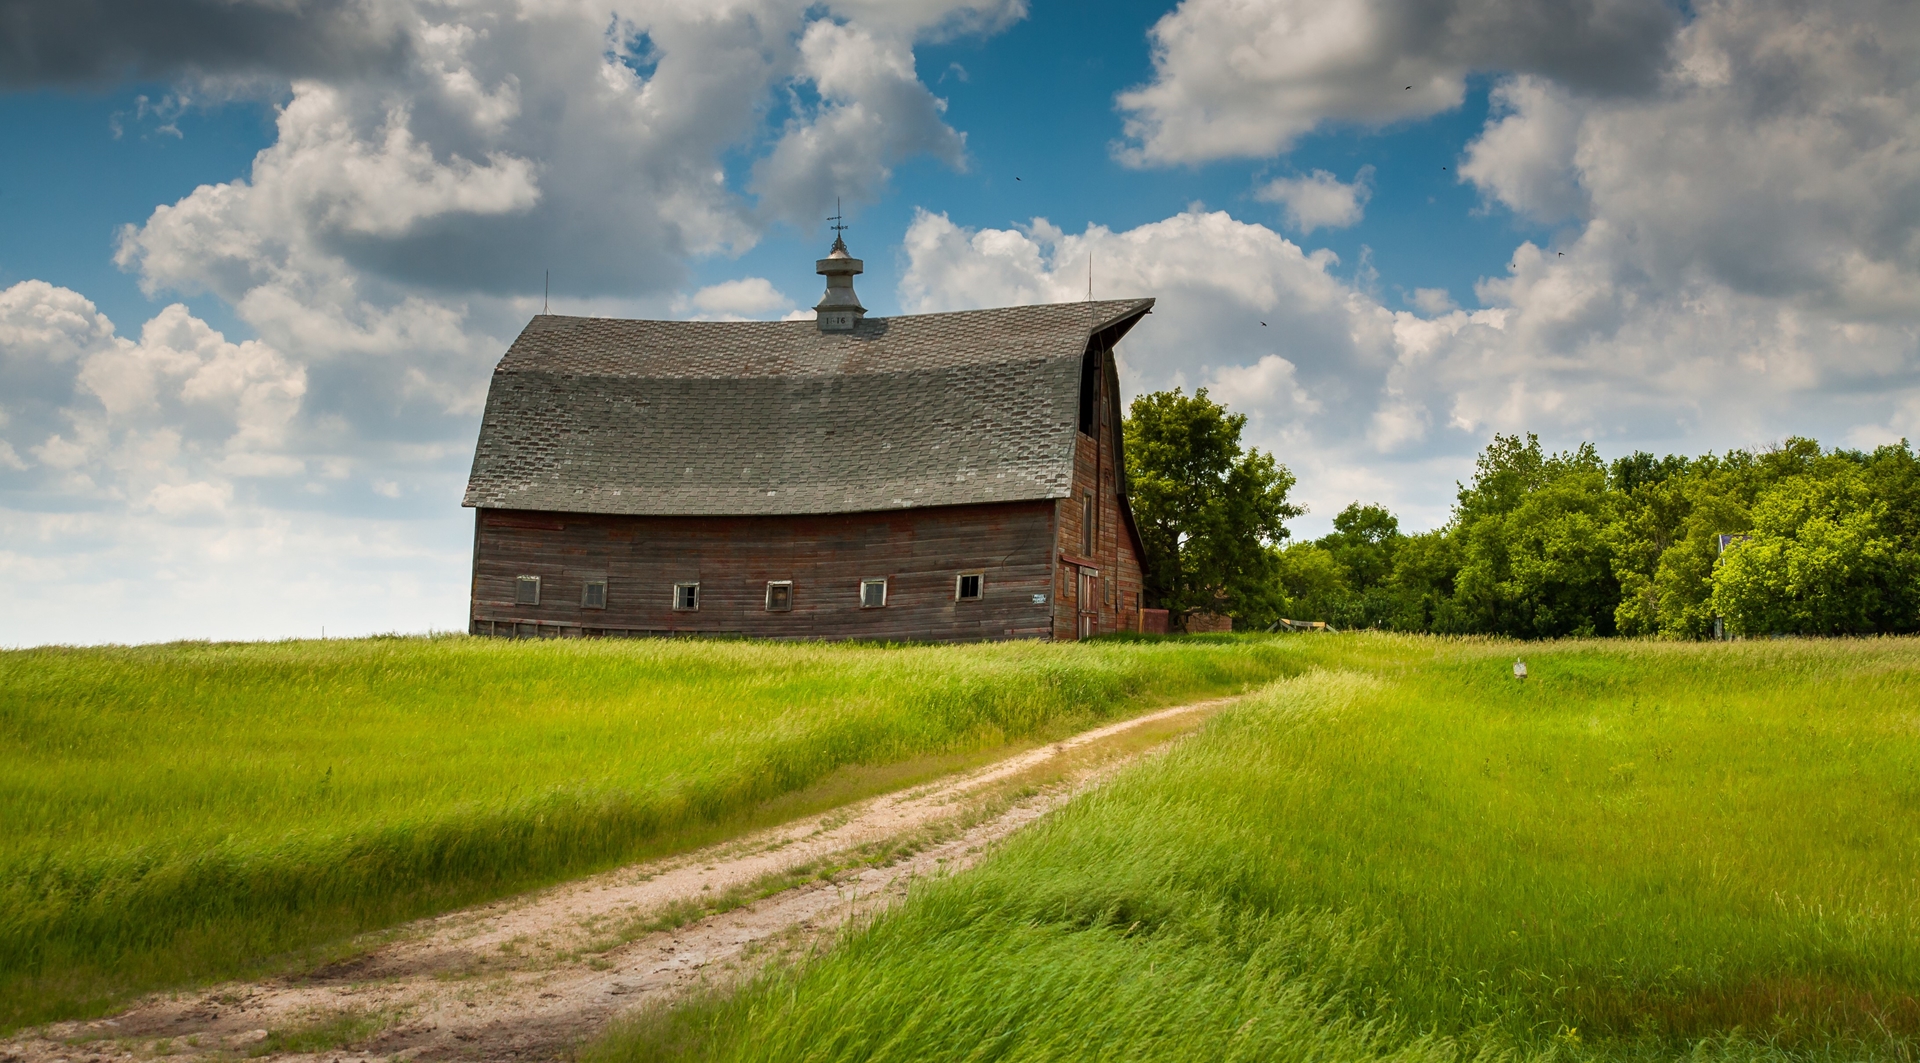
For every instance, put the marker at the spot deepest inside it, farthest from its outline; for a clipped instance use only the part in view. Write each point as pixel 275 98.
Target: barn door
pixel 1087 602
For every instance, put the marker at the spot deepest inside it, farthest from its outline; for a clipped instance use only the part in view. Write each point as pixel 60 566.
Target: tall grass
pixel 186 812
pixel 1642 851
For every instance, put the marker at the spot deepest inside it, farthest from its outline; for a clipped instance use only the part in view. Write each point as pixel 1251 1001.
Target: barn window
pixel 966 587
pixel 1086 523
pixel 686 597
pixel 780 596
pixel 526 590
pixel 593 594
pixel 873 593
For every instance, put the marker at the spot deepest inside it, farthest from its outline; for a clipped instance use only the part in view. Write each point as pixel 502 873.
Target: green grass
pixel 320 1034
pixel 1644 851
pixel 176 814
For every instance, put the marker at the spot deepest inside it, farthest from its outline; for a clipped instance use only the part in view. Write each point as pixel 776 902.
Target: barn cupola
pixel 839 310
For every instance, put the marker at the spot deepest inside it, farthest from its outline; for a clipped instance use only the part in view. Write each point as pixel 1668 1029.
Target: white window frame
pixel 520 583
pixel 694 586
pixel 586 594
pixel 788 584
pixel 959 581
pixel 882 584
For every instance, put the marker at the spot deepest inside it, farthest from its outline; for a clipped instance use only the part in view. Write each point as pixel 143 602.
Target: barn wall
pixel 918 551
pixel 1114 556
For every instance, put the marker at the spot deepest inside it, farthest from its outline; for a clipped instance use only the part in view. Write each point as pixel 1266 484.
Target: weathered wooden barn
pixel 939 477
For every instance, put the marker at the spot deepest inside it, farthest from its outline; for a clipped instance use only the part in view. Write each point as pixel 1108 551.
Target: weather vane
pixel 839 224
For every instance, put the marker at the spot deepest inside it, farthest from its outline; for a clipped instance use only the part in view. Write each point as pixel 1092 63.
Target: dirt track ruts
pixel 530 977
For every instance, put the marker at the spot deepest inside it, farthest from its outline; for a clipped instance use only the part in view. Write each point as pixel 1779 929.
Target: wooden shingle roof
pixel 736 418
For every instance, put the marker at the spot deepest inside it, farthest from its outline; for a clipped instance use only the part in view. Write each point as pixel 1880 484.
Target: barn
pixel 938 477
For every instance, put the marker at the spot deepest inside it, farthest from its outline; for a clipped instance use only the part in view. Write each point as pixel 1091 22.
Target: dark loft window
pixel 967 587
pixel 686 597
pixel 873 593
pixel 526 590
pixel 1086 523
pixel 593 594
pixel 780 596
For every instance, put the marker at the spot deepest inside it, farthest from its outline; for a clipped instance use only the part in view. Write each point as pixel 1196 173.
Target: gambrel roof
pixel 739 418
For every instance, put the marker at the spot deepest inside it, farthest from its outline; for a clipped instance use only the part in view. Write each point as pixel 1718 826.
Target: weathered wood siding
pixel 919 552
pixel 1115 555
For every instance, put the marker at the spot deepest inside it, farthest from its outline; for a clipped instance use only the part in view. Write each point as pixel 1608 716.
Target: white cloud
pixel 162 420
pixel 1249 77
pixel 176 500
pixel 1320 200
pixel 1269 384
pixel 151 493
pixel 873 112
pixel 1524 158
pixel 744 298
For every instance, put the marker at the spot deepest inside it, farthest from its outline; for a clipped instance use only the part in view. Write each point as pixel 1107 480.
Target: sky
pixel 259 257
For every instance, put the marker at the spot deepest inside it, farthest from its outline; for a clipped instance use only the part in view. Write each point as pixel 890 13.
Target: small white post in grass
pixel 1519 669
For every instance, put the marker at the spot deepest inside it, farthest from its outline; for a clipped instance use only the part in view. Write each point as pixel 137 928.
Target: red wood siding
pixel 919 552
pixel 1115 555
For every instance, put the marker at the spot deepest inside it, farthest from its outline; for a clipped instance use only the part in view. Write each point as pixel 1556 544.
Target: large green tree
pixel 1211 511
pixel 1535 557
pixel 1342 577
pixel 1824 558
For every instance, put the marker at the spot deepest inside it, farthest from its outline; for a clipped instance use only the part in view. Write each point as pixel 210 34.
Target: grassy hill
pixel 181 813
pixel 1643 851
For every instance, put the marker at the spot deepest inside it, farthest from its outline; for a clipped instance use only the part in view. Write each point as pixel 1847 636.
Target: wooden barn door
pixel 1088 602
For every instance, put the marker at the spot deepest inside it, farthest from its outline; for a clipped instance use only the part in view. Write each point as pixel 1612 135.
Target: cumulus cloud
pixel 744 298
pixel 873 111
pixel 178 485
pixel 1248 77
pixel 159 421
pixel 1320 200
pixel 1524 158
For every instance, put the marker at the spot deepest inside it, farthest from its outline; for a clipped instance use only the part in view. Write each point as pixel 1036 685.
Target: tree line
pixel 1795 539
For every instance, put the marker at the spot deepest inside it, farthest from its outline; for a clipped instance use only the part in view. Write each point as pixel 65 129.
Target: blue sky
pixel 255 269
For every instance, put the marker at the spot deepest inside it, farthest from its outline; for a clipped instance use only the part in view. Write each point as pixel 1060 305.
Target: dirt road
pixel 531 977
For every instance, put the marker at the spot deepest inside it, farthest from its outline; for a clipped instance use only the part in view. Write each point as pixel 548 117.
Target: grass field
pixel 1644 851
pixel 172 814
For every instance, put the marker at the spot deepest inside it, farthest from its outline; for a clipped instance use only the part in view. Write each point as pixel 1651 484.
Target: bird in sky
pixel 1409 88
pixel 1263 324
pixel 1016 178
pixel 1562 254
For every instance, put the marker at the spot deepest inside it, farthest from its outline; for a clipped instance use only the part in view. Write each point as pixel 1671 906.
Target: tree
pixel 1821 560
pixel 1535 557
pixel 1363 543
pixel 1666 543
pixel 1420 590
pixel 1210 512
pixel 1314 583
